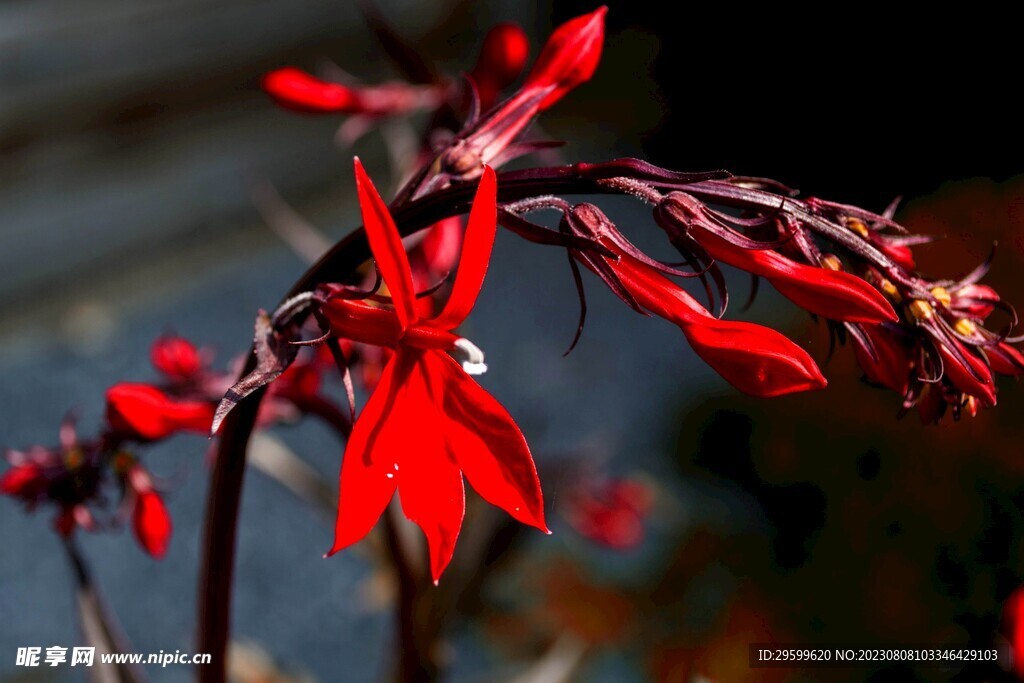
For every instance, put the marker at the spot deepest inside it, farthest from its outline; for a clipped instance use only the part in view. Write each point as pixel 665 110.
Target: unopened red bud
pixel 502 58
pixel 569 57
pixel 296 89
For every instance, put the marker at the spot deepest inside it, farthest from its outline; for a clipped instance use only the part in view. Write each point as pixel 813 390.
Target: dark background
pixel 132 135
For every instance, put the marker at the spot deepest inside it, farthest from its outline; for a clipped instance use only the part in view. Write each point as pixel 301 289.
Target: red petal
pixel 1005 359
pixel 176 357
pixel 486 442
pixel 891 367
pixel 296 89
pixel 20 480
pixel 152 523
pixel 756 360
pixel 429 482
pixel 570 56
pixel 476 253
pixel 369 467
pixel 831 294
pixel 502 58
pixel 442 244
pixel 143 411
pixel 387 247
pixel 963 379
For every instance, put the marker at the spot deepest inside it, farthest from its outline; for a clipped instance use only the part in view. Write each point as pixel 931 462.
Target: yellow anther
pixel 73 458
pixel 970 405
pixel 966 327
pixel 890 290
pixel 123 462
pixel 921 309
pixel 831 262
pixel 857 226
pixel 941 295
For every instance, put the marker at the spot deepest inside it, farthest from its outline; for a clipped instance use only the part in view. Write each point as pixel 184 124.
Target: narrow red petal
pixel 429 482
pixel 755 359
pixel 387 247
pixel 370 464
pixel 486 442
pixel 152 523
pixel 570 56
pixel 476 253
pixel 983 389
pixel 296 89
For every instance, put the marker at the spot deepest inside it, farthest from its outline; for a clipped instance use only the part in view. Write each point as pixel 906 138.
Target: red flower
pixel 755 359
pixel 568 59
pixel 501 60
pixel 176 357
pixel 611 513
pixel 427 423
pixel 829 293
pixel 144 412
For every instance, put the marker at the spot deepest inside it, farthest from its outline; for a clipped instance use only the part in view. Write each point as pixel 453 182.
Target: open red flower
pixel 427 423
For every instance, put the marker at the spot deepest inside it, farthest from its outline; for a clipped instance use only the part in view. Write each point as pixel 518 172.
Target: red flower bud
pixel 152 523
pixel 502 58
pixel 295 89
pixel 176 357
pixel 569 57
pixel 756 360
pixel 144 412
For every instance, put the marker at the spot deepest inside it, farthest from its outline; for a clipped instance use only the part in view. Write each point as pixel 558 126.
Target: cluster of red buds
pixel 428 424
pixel 77 476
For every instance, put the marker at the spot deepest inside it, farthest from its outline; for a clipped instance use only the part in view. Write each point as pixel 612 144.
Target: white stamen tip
pixel 474 361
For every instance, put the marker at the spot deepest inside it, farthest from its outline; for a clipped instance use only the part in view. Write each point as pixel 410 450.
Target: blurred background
pixel 133 135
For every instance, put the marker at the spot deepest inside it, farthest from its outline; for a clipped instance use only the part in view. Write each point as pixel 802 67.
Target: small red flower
pixel 427 423
pixel 567 60
pixel 176 357
pixel 611 513
pixel 144 412
pixel 569 57
pixel 502 58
